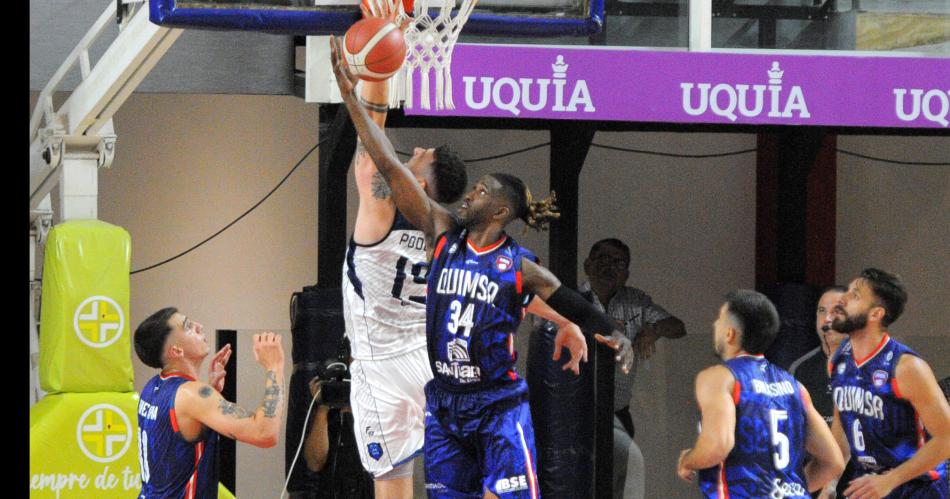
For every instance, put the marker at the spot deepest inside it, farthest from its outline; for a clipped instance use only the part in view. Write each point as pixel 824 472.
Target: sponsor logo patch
pixel 840 367
pixel 511 484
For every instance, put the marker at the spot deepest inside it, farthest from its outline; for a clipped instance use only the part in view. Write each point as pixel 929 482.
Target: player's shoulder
pixel 719 373
pixel 192 395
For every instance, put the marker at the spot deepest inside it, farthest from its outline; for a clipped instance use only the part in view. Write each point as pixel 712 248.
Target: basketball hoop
pixel 429 49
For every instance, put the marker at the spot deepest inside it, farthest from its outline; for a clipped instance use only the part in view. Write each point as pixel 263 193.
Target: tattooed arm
pixel 199 404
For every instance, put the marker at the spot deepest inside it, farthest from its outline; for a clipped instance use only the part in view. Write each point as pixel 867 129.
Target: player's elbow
pixel 722 445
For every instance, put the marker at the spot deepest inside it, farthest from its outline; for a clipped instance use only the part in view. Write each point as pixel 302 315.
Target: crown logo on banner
pixel 560 67
pixel 775 74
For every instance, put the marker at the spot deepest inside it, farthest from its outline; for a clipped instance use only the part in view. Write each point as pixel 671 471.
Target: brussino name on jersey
pixel 859 400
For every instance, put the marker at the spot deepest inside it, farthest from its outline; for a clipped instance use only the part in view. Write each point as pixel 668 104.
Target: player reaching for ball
pixel 479 438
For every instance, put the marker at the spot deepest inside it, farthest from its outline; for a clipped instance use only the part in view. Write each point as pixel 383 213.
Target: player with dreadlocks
pixel 479 439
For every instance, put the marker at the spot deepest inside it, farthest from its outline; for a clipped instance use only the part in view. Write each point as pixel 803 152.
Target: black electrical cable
pixel 675 155
pixel 497 156
pixel 894 161
pixel 236 220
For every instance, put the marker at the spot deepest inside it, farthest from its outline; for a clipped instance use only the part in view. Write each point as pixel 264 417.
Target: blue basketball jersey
pixel 170 466
pixel 883 429
pixel 767 459
pixel 474 304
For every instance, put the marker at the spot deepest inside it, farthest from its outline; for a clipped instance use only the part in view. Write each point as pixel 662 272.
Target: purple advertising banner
pixel 506 81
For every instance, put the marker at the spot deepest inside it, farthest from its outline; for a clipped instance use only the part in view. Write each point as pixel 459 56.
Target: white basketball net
pixel 429 49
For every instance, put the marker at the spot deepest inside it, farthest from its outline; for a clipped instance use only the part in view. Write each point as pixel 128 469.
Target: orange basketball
pixel 374 49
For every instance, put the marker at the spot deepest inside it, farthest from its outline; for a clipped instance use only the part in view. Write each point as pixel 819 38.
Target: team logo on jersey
pixel 453 248
pixel 890 355
pixel 840 367
pixel 375 450
pixel 879 377
pixel 457 351
pixel 503 263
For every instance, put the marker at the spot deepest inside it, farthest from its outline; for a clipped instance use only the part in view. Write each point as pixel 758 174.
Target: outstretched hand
pixel 345 79
pixel 570 336
pixel 216 371
pixel 383 9
pixel 619 342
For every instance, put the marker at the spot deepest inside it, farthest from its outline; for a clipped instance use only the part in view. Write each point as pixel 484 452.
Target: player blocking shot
pixel 479 439
pixel 758 422
pixel 384 277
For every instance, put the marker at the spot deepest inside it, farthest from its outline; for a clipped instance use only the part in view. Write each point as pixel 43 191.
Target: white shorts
pixel 388 404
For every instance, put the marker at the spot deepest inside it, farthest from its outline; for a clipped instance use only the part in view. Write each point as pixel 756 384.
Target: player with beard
pixel 890 416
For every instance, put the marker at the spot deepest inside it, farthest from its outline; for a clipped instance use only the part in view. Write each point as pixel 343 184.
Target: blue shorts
pixel 480 441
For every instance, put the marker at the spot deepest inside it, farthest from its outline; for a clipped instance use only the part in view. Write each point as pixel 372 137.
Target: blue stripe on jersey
pixel 351 270
pixel 171 466
pixel 767 459
pixel 883 430
pixel 473 307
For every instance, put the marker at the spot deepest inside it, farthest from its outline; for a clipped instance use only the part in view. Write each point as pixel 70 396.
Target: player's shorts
pixel 922 489
pixel 480 441
pixel 388 401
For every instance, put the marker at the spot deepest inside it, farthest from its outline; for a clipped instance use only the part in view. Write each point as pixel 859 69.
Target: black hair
pixel 536 214
pixel 610 241
pixel 449 175
pixel 150 337
pixel 889 291
pixel 837 288
pixel 756 319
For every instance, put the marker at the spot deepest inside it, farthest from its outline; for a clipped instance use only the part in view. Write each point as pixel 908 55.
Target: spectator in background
pixel 644 322
pixel 811 369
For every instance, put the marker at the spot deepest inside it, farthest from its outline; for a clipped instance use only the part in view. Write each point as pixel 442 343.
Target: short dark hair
pixel 837 288
pixel 616 243
pixel 449 174
pixel 889 291
pixel 756 319
pixel 150 337
pixel 515 192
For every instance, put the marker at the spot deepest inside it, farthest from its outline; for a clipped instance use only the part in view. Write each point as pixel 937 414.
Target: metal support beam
pixel 79 187
pixel 700 25
pixel 339 143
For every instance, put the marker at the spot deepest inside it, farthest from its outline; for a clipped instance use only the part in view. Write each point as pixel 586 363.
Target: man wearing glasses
pixel 644 322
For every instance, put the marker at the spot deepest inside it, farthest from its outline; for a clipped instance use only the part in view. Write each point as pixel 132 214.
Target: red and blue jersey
pixel 172 467
pixel 767 459
pixel 882 428
pixel 474 304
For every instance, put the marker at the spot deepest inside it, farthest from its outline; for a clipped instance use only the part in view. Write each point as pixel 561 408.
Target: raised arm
pixel 376 209
pixel 261 427
pixel 408 195
pixel 916 384
pixel 569 335
pixel 717 434
pixel 540 281
pixel 828 463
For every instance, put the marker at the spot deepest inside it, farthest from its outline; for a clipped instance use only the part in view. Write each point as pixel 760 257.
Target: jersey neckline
pixel 487 249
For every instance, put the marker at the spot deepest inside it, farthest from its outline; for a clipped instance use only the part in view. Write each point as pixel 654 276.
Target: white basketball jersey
pixel 384 290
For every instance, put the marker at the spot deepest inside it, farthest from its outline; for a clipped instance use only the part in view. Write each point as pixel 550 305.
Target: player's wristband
pixel 576 309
